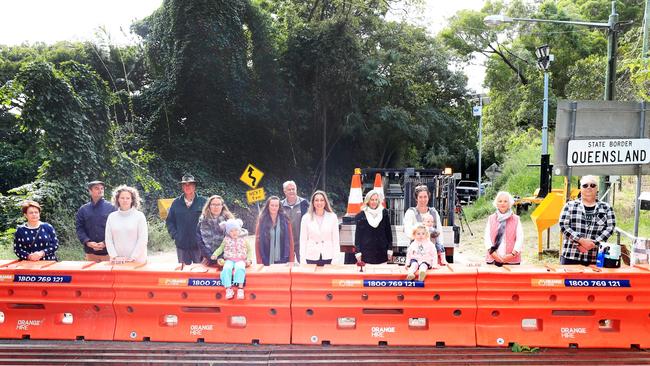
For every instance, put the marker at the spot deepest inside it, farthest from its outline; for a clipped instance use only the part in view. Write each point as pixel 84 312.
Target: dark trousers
pixel 188 256
pixel 573 261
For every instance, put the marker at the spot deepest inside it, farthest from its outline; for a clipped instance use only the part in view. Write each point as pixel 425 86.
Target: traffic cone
pixel 379 187
pixel 356 195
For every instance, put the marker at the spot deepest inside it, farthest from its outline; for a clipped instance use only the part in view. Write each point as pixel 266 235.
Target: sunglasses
pixel 589 185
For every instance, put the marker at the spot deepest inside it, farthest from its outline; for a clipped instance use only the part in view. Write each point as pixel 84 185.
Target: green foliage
pixel 516 347
pixel 20 155
pixel 159 239
pixel 516 177
pixel 69 106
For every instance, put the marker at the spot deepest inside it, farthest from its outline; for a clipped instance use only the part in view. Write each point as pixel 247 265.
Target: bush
pixel 159 239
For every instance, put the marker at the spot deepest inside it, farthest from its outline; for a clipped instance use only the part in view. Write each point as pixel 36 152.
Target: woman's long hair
pixel 265 221
pixel 328 207
pixel 225 212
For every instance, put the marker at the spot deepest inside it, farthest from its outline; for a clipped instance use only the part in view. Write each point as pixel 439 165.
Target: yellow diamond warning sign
pixel 251 176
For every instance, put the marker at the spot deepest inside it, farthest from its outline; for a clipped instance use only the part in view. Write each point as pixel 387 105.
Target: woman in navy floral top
pixel 35 240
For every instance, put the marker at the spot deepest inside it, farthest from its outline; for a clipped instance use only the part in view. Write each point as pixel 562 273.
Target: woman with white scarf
pixel 504 235
pixel 373 237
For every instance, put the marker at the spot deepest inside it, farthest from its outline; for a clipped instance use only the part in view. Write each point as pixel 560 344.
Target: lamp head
pixel 544 57
pixel 494 20
pixel 542 51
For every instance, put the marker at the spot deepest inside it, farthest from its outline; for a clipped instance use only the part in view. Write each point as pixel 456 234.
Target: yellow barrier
pixel 163 207
pixel 547 214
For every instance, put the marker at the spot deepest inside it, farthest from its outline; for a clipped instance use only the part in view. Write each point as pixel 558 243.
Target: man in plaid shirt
pixel 585 223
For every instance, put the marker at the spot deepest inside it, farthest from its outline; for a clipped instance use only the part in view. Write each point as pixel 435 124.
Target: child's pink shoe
pixel 240 294
pixel 230 293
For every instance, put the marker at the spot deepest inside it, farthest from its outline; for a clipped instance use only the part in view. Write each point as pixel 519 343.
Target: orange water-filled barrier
pixel 56 300
pixel 171 302
pixel 339 305
pixel 563 306
pixel 552 306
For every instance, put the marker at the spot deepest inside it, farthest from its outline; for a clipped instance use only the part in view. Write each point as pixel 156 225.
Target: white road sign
pixel 608 152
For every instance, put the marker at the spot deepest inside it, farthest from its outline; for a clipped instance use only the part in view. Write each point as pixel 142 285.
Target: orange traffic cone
pixel 379 187
pixel 356 194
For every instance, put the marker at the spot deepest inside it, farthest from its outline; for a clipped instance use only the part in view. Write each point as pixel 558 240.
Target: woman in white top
pixel 126 228
pixel 319 232
pixel 413 216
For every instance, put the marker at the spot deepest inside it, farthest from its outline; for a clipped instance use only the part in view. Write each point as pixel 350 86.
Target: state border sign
pixel 608 152
pixel 601 138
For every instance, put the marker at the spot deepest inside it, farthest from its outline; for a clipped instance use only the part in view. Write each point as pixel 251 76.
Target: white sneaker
pixel 240 294
pixel 230 293
pixel 410 276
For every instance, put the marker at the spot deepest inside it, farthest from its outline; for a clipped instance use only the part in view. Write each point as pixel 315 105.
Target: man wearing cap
pixel 295 207
pixel 182 218
pixel 91 223
pixel 585 223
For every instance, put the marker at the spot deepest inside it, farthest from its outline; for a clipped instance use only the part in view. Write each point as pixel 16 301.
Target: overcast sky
pixel 50 21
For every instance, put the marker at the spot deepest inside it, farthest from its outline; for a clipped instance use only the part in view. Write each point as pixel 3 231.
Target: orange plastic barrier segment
pixel 6 262
pixel 174 303
pixel 56 300
pixel 340 305
pixel 563 306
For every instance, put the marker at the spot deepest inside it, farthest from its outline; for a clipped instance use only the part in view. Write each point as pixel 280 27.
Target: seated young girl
pixel 434 235
pixel 237 255
pixel 421 254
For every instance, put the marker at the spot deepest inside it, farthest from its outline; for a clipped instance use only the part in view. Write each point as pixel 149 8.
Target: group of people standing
pixel 296 229
pixel 585 223
pixel 116 231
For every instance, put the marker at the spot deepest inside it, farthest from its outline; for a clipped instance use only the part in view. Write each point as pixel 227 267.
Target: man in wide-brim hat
pixel 182 218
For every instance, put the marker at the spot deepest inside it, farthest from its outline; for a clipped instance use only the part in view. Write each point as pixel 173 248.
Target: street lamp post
pixel 544 59
pixel 478 111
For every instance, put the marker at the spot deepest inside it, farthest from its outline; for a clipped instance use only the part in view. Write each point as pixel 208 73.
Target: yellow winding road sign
pixel 251 176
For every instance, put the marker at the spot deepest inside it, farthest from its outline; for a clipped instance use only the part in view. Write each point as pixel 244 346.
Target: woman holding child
pixel 417 215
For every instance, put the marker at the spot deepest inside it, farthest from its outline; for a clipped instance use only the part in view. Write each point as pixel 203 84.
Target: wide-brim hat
pixel 94 183
pixel 187 178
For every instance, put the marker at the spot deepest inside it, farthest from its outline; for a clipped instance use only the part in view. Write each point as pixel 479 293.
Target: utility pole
pixel 478 111
pixel 480 142
pixel 544 59
pixel 610 77
pixel 612 43
pixel 646 31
